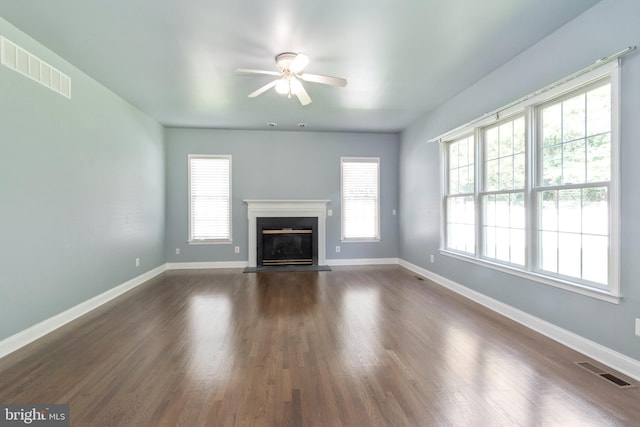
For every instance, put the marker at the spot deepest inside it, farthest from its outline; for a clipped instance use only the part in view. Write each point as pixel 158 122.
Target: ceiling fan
pixel 288 81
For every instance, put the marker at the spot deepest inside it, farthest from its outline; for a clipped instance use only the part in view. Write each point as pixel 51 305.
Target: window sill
pixel 363 240
pixel 600 294
pixel 210 242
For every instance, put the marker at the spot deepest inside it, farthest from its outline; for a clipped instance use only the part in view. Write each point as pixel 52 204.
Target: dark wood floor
pixel 358 346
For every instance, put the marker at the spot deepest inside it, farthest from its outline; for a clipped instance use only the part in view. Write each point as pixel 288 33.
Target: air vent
pixel 18 59
pixel 605 375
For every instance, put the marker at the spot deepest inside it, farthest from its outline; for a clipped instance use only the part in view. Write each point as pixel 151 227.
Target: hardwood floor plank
pixel 355 346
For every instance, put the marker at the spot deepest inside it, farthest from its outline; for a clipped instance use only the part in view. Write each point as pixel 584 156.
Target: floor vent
pixel 18 59
pixel 605 375
pixel 419 278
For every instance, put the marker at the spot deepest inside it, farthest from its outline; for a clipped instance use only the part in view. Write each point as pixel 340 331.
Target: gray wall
pixel 81 192
pixel 279 165
pixel 608 27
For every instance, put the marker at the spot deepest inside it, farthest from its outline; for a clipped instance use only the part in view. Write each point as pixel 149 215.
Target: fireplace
pixel 269 209
pixel 287 241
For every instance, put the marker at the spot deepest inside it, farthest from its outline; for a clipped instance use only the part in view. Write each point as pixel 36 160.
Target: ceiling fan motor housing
pixel 285 59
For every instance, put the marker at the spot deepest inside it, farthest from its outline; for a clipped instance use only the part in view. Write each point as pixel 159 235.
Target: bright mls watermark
pixel 34 415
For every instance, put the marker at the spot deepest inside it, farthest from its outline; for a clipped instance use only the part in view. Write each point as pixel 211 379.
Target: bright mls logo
pixel 34 415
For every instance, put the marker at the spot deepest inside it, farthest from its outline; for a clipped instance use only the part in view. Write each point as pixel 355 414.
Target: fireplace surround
pixel 282 209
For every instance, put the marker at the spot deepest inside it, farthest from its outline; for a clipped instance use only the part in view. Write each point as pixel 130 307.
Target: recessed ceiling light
pixel 302 125
pixel 272 124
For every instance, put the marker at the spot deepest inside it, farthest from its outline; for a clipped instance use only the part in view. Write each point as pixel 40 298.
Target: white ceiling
pixel 175 60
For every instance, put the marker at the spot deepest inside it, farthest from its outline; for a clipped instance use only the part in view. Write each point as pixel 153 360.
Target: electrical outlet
pixel 330 212
pixel 177 251
pixel 337 249
pixel 393 212
pixel 237 249
pixel 637 327
pixel 432 258
pixel 137 262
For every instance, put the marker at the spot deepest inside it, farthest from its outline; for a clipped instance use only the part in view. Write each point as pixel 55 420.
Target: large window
pixel 534 192
pixel 209 199
pixel 360 198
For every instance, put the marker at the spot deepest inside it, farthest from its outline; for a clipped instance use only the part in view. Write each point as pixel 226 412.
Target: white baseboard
pixel 363 261
pixel 208 264
pixel 609 357
pixel 14 342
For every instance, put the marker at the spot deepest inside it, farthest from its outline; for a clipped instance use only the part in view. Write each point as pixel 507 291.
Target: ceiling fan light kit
pixel 288 83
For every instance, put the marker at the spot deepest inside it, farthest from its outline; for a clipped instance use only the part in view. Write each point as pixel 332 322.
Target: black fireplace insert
pixel 287 241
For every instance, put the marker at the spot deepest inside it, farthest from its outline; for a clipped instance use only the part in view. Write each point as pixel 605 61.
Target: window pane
pixel 574 168
pixel 595 211
pixel 599 110
pixel 580 246
pixel 504 227
pixel 518 135
pixel 461 166
pixel 573 118
pixel 568 157
pixel 506 173
pixel 517 246
pixel 518 171
pixel 569 210
pixel 492 143
pixel 552 165
pixel 506 139
pixel 505 162
pixel 548 251
pixel 599 158
pixel 461 224
pixel 552 125
pixel 569 249
pixel 548 205
pixel 595 258
pixel 493 175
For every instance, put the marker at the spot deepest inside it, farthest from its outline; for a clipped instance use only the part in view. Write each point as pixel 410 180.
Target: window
pixel 534 192
pixel 460 198
pixel 360 199
pixel 209 199
pixel 503 219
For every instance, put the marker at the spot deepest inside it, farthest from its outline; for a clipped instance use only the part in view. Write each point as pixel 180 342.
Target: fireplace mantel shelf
pixel 282 208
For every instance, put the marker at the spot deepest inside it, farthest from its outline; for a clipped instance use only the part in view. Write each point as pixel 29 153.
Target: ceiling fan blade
pixel 299 63
pixel 327 80
pixel 251 71
pixel 303 96
pixel 263 89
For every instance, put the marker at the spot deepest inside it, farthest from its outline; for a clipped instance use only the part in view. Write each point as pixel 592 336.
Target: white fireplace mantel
pixel 285 208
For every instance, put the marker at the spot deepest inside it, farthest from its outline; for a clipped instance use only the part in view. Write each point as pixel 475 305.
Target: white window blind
pixel 209 198
pixel 360 199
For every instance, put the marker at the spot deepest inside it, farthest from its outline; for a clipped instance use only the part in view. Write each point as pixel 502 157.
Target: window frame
pixel 375 238
pixel 191 239
pixel 529 108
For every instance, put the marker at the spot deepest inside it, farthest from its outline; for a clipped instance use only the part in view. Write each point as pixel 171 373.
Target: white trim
pixel 208 264
pixel 609 357
pixel 19 340
pixel 363 261
pixel 283 208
